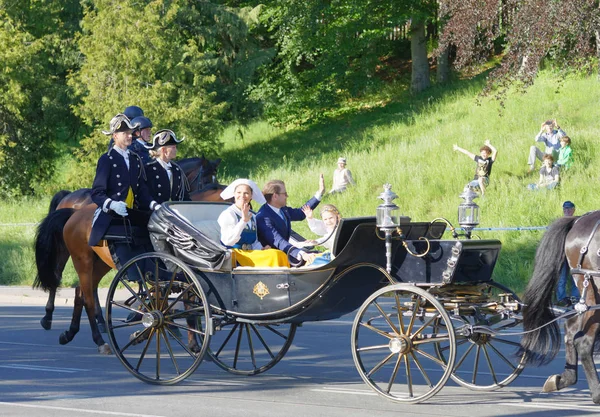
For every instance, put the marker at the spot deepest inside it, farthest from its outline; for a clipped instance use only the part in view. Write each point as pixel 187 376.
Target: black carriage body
pixel 190 232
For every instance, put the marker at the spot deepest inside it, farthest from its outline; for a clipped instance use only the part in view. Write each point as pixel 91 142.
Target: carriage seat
pixel 202 217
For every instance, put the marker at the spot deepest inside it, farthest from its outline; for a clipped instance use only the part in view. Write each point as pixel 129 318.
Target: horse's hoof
pixel 104 349
pixel 102 327
pixel 46 324
pixel 63 339
pixel 551 384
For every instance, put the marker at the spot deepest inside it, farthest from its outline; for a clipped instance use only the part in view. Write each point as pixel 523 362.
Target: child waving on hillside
pixel 485 160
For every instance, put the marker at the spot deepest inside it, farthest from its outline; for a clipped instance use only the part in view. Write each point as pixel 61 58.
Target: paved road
pixel 38 377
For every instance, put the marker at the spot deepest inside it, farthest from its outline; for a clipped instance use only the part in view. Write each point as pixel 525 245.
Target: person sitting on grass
pixel 565 155
pixel 550 134
pixel 485 160
pixel 549 177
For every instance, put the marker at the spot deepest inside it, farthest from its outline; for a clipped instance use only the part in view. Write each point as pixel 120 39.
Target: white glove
pixel 118 207
pixel 156 207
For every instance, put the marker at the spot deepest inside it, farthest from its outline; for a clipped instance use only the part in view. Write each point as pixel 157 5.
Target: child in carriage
pixel 326 228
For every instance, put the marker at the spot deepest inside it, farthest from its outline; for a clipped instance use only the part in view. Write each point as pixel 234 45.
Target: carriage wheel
pixel 244 348
pixel 171 303
pixel 393 343
pixel 484 361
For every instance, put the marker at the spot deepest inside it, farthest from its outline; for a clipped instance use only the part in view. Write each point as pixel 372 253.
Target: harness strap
pixel 584 248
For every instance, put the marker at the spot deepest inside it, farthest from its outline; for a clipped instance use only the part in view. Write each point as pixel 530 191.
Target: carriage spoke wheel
pixel 487 361
pixel 153 344
pixel 244 348
pixel 393 343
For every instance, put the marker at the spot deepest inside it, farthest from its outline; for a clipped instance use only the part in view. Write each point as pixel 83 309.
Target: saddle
pixel 132 229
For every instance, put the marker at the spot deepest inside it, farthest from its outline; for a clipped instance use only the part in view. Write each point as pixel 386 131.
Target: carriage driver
pixel 119 186
pixel 166 179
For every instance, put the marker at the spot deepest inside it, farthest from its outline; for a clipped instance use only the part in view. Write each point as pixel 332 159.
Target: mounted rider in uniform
pixel 141 138
pixel 166 179
pixel 131 112
pixel 119 187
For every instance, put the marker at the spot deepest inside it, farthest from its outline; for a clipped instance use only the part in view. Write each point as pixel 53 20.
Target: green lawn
pixel 406 141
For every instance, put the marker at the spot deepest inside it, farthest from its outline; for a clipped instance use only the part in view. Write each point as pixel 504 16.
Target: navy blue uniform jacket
pixel 275 232
pixel 159 186
pixel 141 150
pixel 112 182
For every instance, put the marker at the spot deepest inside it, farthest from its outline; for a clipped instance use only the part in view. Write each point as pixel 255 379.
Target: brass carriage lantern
pixel 388 219
pixel 468 211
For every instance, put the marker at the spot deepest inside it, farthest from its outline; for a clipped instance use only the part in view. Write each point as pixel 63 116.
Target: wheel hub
pixel 400 345
pixel 152 319
pixel 479 338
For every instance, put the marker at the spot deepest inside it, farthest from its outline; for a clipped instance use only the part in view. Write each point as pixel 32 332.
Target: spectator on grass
pixel 485 160
pixel 561 288
pixel 549 175
pixel 342 177
pixel 550 134
pixel 565 155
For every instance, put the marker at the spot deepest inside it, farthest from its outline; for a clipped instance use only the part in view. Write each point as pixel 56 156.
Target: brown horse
pixel 67 231
pixel 53 251
pixel 202 177
pixel 578 240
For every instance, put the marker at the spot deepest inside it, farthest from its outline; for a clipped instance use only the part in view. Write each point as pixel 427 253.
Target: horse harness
pixel 588 274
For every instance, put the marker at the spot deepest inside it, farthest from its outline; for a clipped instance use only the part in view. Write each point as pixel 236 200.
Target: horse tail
pixel 49 243
pixel 56 200
pixel 541 341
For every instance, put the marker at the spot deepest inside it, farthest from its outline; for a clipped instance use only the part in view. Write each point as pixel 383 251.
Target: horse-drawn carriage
pixel 434 314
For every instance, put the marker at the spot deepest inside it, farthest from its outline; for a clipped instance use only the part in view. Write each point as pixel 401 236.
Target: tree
pixel 186 63
pixel 36 51
pixel 529 31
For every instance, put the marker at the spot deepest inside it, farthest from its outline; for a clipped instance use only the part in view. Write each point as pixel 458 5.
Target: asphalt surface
pixel 39 377
pixel 28 296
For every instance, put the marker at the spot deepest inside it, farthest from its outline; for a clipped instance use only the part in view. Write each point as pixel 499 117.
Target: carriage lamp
pixel 388 218
pixel 388 214
pixel 468 211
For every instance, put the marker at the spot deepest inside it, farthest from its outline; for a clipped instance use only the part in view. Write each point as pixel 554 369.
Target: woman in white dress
pixel 238 227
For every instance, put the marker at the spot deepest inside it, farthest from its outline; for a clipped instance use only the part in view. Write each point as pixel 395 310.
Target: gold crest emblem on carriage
pixel 260 290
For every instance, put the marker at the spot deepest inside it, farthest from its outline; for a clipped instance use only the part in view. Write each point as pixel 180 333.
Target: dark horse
pixel 578 240
pixel 52 252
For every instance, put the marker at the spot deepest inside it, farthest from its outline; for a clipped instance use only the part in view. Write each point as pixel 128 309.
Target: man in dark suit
pixel 119 186
pixel 273 220
pixel 166 179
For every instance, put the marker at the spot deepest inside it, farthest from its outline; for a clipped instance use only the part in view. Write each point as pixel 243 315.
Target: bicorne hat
pixel 119 123
pixel 164 137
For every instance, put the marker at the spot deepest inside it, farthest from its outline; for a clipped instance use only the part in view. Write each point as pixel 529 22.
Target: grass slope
pixel 406 141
